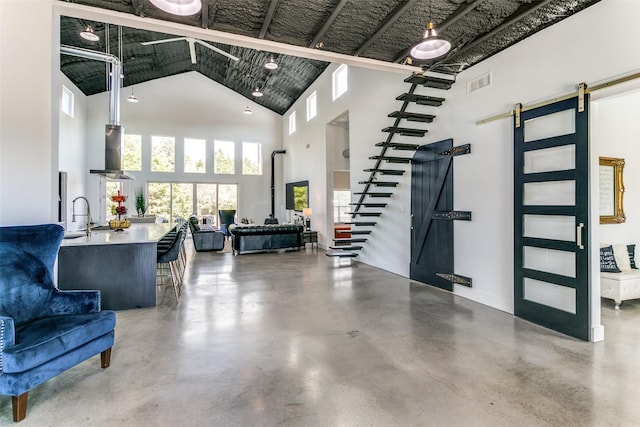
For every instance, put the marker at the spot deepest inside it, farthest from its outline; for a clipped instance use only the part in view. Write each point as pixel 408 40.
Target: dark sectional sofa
pixel 265 237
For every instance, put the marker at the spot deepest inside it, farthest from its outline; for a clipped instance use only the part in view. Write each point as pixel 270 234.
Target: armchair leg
pixel 19 405
pixel 105 358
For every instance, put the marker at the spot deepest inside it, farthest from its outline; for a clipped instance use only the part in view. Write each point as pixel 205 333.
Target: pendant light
pixel 179 7
pixel 271 64
pixel 89 35
pixel 431 46
pixel 132 97
pixel 247 110
pixel 257 92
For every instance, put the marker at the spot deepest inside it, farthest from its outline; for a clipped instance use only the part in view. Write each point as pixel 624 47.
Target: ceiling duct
pixel 113 130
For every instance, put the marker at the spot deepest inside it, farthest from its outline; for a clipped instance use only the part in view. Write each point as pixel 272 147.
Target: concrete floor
pixel 299 339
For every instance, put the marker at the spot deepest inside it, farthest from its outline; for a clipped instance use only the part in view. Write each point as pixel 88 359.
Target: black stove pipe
pixel 273 179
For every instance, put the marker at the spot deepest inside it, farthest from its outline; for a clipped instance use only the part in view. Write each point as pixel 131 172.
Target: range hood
pixel 113 135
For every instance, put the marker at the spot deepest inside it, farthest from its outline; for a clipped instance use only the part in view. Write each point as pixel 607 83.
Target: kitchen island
pixel 121 265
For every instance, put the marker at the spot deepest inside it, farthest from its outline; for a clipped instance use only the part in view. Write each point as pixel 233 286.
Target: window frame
pixel 312 105
pixel 292 123
pixel 340 78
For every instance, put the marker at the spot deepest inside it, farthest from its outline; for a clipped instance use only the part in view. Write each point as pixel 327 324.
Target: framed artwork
pixel 611 190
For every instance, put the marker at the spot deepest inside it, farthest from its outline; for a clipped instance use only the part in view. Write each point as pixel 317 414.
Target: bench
pixel 620 286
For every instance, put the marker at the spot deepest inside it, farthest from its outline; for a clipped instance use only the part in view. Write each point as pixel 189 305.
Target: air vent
pixel 479 83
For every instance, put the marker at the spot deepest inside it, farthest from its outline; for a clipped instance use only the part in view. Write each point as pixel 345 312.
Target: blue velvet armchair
pixel 227 217
pixel 43 331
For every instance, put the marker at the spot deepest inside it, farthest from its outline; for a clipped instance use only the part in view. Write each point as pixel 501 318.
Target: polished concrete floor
pixel 300 339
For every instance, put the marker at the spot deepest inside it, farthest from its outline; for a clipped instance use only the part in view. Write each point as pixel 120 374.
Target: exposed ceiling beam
pixel 327 24
pixel 75 10
pixel 268 18
pixel 385 25
pixel 461 12
pixel 520 13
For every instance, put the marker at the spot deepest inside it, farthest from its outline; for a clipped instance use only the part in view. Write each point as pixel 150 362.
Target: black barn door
pixel 432 191
pixel 551 216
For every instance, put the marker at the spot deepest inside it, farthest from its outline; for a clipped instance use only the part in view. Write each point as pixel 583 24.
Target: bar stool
pixel 168 260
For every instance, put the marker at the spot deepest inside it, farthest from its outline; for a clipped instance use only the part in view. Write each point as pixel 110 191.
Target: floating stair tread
pixel 365 213
pixel 342 254
pixel 350 240
pixel 374 194
pixel 405 131
pixel 369 205
pixel 412 117
pixel 391 159
pixel 361 223
pixel 379 183
pixel 432 101
pixel 398 146
pixel 346 248
pixel 430 81
pixel 360 231
pixel 386 171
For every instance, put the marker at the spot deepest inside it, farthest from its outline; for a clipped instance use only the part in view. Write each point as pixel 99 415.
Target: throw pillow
pixel 632 255
pixel 608 260
pixel 621 254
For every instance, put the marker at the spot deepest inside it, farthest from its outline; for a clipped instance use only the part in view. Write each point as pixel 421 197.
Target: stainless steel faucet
pixel 88 214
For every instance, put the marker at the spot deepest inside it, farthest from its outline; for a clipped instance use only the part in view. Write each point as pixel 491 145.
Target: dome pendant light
pixel 179 7
pixel 247 110
pixel 257 92
pixel 132 97
pixel 431 46
pixel 89 35
pixel 271 64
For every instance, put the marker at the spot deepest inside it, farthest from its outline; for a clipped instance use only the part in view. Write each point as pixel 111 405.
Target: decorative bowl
pixel 119 225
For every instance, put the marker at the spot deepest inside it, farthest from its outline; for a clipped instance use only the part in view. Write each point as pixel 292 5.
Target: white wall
pixel 550 63
pixel 617 134
pixel 72 148
pixel 28 113
pixel 188 105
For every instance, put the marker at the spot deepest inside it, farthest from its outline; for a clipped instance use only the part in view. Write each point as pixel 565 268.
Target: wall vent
pixel 479 83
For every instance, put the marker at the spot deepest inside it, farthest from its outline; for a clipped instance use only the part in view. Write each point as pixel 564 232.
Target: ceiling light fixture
pixel 179 7
pixel 88 34
pixel 247 110
pixel 431 46
pixel 257 92
pixel 271 64
pixel 132 97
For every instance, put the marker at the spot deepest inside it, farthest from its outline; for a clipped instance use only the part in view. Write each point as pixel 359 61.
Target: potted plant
pixel 141 203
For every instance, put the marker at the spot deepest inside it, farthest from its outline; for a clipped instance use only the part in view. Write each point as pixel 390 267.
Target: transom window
pixel 292 123
pixel 224 157
pixel 251 158
pixel 340 81
pixel 195 155
pixel 163 154
pixel 132 153
pixel 312 106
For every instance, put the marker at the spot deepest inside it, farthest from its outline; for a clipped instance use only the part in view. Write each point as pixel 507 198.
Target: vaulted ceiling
pixel 380 30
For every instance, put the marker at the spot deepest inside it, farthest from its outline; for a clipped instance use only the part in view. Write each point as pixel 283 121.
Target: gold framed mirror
pixel 611 191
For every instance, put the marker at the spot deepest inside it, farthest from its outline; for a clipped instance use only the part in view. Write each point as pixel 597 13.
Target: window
pixel 292 123
pixel 195 155
pixel 341 200
pixel 312 106
pixel 251 158
pixel 67 104
pixel 163 154
pixel 132 154
pixel 223 157
pixel 340 84
pixel 171 201
pixel 181 201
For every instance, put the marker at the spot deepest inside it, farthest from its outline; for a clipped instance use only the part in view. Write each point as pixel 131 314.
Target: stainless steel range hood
pixel 112 145
pixel 113 135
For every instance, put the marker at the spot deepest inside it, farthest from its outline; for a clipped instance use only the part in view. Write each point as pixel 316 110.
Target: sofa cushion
pixel 622 276
pixel 608 260
pixel 621 254
pixel 631 249
pixel 45 339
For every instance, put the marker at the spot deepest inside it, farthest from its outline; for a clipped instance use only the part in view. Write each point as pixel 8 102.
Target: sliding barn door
pixel 551 217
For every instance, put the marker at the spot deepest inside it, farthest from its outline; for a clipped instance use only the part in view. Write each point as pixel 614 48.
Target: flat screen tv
pixel 297 195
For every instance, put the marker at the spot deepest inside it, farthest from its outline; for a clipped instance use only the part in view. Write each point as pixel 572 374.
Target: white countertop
pixel 137 233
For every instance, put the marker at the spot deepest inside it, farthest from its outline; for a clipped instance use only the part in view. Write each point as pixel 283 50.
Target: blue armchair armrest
pixel 74 302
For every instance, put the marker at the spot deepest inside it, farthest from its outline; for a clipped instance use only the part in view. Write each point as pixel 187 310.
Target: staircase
pixel 378 187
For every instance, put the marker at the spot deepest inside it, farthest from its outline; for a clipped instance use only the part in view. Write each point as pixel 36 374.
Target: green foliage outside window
pixel 163 154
